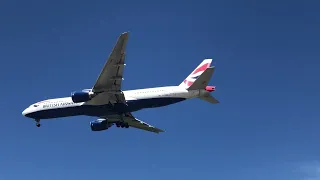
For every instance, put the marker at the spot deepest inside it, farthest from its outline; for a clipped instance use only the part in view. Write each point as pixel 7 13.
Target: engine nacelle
pixel 100 125
pixel 81 96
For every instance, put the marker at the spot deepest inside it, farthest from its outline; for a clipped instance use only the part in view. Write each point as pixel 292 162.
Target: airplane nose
pixel 24 112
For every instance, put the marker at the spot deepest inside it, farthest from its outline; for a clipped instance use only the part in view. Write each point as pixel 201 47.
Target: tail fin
pixel 199 79
pixel 196 73
pixel 202 81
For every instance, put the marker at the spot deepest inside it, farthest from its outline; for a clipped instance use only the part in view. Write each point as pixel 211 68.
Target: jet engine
pixel 100 125
pixel 81 96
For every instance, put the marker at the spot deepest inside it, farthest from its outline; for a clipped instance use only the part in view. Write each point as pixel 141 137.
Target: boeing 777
pixel 112 106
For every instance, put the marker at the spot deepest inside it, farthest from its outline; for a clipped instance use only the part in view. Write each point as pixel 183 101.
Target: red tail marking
pixel 210 88
pixel 201 68
pixel 188 83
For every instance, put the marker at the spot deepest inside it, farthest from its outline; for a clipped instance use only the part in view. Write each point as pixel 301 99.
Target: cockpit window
pixel 35 105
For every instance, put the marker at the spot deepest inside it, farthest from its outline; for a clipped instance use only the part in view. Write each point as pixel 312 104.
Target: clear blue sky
pixel 267 77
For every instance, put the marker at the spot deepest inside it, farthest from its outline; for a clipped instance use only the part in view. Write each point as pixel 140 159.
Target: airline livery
pixel 112 106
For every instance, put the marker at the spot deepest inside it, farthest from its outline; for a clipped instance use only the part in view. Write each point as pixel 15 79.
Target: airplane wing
pixel 108 84
pixel 133 122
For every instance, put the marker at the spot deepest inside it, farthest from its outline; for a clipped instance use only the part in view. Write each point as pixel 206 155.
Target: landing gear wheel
pixel 37 122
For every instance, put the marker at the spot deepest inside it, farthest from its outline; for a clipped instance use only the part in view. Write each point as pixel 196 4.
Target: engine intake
pixel 100 125
pixel 81 96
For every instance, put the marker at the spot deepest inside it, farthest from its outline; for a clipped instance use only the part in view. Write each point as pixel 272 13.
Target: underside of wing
pixel 136 123
pixel 133 122
pixel 110 77
pixel 108 85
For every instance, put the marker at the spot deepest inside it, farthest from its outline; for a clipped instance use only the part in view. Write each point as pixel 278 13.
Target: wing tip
pixel 159 131
pixel 125 33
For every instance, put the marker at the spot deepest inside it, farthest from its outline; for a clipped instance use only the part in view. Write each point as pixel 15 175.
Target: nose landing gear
pixel 38 122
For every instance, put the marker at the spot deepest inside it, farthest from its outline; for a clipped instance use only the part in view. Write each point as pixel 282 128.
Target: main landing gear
pixel 38 122
pixel 122 124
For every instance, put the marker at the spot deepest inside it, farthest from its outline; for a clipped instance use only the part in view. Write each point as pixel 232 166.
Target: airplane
pixel 113 106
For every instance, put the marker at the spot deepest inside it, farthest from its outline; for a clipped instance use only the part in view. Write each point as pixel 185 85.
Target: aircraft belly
pixel 135 105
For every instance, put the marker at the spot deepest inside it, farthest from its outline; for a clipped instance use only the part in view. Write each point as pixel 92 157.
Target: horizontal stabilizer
pixel 209 99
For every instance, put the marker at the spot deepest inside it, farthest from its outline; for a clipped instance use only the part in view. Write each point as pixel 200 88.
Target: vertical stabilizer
pixel 201 82
pixel 196 73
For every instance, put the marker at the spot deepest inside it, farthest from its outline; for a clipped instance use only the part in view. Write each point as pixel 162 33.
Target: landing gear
pixel 122 125
pixel 38 122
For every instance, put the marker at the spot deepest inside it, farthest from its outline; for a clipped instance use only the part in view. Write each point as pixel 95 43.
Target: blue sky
pixel 267 76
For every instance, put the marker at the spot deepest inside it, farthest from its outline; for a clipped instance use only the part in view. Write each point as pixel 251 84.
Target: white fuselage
pixel 136 100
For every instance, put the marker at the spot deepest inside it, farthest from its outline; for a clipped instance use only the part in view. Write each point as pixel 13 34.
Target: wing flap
pixel 136 123
pixel 133 122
